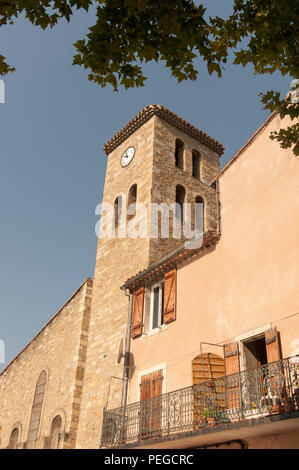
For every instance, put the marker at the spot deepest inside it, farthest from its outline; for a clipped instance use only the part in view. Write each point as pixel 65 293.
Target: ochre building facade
pixel 154 305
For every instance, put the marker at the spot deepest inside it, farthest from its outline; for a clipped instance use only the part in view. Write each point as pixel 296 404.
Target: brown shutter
pixel 151 411
pixel 232 368
pixel 138 313
pixel 157 378
pixel 145 387
pixel 272 345
pixel 231 358
pixel 169 304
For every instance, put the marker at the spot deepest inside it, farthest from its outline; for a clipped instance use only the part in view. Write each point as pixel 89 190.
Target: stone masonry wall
pixel 60 350
pixel 120 258
pixel 166 176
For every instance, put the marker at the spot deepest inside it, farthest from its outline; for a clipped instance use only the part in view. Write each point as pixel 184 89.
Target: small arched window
pixel 180 194
pixel 117 210
pixel 55 432
pixel 196 164
pixel 132 199
pixel 179 154
pixel 14 439
pixel 36 410
pixel 199 212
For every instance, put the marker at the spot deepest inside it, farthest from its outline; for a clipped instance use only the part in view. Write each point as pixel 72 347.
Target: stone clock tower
pixel 156 157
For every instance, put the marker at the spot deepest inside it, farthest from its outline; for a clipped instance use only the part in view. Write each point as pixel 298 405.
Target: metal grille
pixel 272 388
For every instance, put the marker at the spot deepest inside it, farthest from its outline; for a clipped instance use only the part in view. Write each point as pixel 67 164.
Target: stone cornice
pixel 164 113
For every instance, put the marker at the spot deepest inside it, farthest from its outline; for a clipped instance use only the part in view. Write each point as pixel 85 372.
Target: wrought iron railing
pixel 272 388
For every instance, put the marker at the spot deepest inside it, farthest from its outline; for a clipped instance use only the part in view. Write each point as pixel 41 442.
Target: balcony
pixel 272 389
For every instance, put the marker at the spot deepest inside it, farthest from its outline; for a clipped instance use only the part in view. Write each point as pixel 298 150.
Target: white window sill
pixel 154 331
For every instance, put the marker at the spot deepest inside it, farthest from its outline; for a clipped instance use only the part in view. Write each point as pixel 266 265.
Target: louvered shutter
pixel 156 408
pixel 232 368
pixel 144 414
pixel 137 322
pixel 169 304
pixel 151 404
pixel 272 345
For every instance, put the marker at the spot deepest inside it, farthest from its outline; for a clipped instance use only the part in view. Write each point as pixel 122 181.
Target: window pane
pixel 156 307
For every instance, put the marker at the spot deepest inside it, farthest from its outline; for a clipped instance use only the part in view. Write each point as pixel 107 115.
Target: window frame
pixel 159 284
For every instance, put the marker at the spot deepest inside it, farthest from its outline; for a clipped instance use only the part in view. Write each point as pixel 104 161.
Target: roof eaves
pixel 156 109
pixel 173 259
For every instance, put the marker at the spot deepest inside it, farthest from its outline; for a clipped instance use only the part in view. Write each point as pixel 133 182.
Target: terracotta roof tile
pixel 168 262
pixel 159 110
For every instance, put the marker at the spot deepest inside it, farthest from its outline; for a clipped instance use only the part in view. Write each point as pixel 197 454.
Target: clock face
pixel 127 156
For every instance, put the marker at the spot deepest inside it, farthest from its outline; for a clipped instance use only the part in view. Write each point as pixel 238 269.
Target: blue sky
pixel 54 125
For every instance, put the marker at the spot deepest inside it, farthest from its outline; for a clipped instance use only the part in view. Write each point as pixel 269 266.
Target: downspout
pixel 127 352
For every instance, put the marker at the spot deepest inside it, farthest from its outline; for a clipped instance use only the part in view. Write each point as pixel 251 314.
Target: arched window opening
pixel 55 432
pixel 205 369
pixel 14 439
pixel 180 199
pixel 36 410
pixel 199 213
pixel 196 164
pixel 117 210
pixel 132 199
pixel 179 154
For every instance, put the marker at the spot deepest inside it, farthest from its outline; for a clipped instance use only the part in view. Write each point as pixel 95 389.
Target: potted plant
pixel 209 416
pixel 288 404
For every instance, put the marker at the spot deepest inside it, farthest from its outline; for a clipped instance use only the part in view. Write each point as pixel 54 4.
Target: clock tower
pixel 157 157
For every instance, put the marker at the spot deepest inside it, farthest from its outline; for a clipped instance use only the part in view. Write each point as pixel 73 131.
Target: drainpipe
pixel 127 351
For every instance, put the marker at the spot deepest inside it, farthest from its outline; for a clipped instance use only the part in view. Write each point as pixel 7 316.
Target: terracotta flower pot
pixel 211 421
pixel 288 405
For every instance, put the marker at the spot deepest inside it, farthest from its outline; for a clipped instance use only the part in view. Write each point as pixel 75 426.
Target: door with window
pixel 150 419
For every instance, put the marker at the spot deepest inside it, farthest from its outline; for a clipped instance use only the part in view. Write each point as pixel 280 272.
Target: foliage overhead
pixel 129 33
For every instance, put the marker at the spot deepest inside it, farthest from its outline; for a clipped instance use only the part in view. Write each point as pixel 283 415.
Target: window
pixel 155 305
pixel 156 310
pixel 55 432
pixel 36 410
pixel 132 198
pixel 14 439
pixel 117 210
pixel 180 194
pixel 199 212
pixel 179 154
pixel 195 164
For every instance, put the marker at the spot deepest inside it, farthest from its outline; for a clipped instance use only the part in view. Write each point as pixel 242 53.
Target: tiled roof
pixel 164 113
pixel 170 261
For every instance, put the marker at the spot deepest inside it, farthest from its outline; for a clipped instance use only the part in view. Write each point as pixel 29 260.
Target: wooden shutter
pixel 169 304
pixel 151 385
pixel 272 345
pixel 151 411
pixel 145 387
pixel 138 313
pixel 207 366
pixel 232 368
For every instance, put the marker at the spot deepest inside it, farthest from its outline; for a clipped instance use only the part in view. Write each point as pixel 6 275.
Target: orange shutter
pixel 138 313
pixel 169 307
pixel 231 363
pixel 145 387
pixel 151 411
pixel 157 378
pixel 137 322
pixel 272 345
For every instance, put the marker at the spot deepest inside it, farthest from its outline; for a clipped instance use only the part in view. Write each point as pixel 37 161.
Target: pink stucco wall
pixel 249 280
